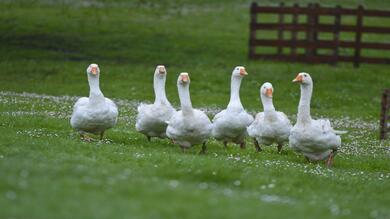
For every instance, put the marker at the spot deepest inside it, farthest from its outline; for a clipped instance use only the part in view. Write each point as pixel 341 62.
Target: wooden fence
pixel 312 28
pixel 385 114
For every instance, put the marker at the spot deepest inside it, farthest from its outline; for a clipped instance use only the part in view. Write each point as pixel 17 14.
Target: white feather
pixel 230 124
pixel 94 114
pixel 316 139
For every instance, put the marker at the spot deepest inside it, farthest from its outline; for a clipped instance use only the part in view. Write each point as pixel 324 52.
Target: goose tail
pixel 338 132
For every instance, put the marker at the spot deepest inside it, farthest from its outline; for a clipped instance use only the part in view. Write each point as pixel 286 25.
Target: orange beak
pixel 184 78
pixel 299 78
pixel 243 72
pixel 161 69
pixel 268 92
pixel 94 70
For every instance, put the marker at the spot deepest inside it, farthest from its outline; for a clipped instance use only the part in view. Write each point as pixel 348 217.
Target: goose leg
pixel 280 147
pixel 204 149
pixel 225 143
pixel 101 135
pixel 329 161
pixel 148 137
pixel 257 146
pixel 183 149
pixel 242 145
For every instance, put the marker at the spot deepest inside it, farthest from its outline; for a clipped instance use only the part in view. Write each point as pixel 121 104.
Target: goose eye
pixel 305 75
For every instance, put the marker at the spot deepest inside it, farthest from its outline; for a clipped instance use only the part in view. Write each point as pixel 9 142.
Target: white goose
pixel 95 114
pixel 315 139
pixel 230 124
pixel 269 126
pixel 151 118
pixel 188 126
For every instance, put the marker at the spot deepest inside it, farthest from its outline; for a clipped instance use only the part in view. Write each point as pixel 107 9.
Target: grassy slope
pixel 49 173
pixel 46 48
pixel 207 40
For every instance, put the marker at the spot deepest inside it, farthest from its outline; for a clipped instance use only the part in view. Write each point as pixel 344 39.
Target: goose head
pixel 266 90
pixel 93 70
pixel 239 71
pixel 184 79
pixel 303 78
pixel 160 71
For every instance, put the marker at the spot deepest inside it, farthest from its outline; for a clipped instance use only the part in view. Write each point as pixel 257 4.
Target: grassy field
pixel 47 172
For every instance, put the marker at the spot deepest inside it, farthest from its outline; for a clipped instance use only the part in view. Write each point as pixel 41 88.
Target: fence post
pixel 252 34
pixel 294 32
pixel 280 31
pixel 384 108
pixel 310 30
pixel 358 36
pixel 315 33
pixel 336 34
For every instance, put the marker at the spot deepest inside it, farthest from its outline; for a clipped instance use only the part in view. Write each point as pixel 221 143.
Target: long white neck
pixel 95 94
pixel 159 89
pixel 304 104
pixel 185 100
pixel 268 106
pixel 235 101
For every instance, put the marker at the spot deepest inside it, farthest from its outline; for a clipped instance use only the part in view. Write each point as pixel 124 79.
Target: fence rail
pixel 313 27
pixel 385 114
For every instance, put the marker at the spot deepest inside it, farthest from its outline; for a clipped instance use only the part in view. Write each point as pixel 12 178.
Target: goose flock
pixel 315 139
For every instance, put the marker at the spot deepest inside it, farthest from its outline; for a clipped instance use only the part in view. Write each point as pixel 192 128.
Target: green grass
pixel 47 172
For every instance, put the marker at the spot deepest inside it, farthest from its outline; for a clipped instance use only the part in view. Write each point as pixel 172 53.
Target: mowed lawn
pixel 47 172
